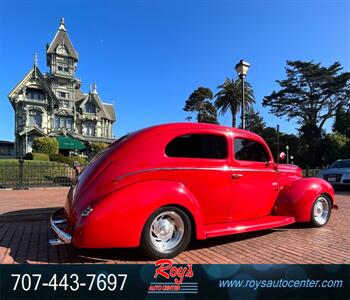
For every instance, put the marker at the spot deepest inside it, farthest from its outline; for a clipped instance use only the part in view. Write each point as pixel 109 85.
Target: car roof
pixel 204 126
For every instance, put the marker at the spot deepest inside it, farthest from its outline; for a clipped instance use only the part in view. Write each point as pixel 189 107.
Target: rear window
pixel 198 146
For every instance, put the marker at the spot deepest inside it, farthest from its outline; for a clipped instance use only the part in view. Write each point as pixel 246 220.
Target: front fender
pixel 118 219
pixel 296 199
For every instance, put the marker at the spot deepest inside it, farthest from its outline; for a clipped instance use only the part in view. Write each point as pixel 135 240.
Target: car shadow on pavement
pixel 24 239
pixel 216 241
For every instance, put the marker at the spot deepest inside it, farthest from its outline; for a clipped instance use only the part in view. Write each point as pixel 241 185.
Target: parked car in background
pixel 161 186
pixel 338 173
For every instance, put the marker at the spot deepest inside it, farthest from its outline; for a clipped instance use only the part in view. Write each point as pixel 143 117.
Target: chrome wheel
pixel 166 231
pixel 321 210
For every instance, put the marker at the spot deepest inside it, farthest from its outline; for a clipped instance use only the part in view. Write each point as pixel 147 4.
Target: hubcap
pixel 321 210
pixel 167 231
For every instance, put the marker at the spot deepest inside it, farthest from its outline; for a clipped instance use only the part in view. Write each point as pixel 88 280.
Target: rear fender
pixel 296 199
pixel 118 219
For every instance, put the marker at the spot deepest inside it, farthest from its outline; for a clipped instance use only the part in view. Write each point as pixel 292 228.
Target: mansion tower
pixel 52 104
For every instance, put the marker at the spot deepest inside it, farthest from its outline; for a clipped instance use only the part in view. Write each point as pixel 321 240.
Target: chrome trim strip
pixel 193 169
pixel 56 242
pixel 60 221
pixel 63 236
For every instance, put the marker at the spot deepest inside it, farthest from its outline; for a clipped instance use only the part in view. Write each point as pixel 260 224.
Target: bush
pixel 37 156
pixel 58 157
pixel 97 147
pixel 45 145
pixel 81 160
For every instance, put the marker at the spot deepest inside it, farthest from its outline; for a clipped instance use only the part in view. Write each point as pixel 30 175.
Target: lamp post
pixel 242 69
pixel 287 149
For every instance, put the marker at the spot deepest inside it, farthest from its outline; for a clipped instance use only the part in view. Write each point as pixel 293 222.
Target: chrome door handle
pixel 236 176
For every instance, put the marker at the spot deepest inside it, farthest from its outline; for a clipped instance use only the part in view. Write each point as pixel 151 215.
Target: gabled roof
pixel 78 95
pixel 34 72
pixel 61 37
pixel 35 129
pixel 106 110
pixel 109 108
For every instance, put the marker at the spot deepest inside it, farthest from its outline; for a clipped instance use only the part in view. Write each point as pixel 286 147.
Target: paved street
pixel 24 231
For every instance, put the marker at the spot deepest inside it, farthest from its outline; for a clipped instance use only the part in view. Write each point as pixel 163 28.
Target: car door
pixel 254 180
pixel 199 160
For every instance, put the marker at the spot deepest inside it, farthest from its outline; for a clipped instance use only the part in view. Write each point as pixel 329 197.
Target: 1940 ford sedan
pixel 160 186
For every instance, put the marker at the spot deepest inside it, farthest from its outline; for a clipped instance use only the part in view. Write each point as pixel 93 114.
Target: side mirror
pixel 282 156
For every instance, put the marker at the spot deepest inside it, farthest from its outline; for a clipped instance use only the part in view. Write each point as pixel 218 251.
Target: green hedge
pixel 58 157
pixel 37 156
pixel 45 145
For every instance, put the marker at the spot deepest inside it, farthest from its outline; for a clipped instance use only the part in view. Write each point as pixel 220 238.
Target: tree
pixel 97 147
pixel 269 134
pixel 207 114
pixel 311 93
pixel 229 97
pixel 254 122
pixel 333 147
pixel 45 145
pixel 342 121
pixel 199 101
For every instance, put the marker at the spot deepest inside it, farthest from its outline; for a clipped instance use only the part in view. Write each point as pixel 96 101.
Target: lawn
pixel 35 173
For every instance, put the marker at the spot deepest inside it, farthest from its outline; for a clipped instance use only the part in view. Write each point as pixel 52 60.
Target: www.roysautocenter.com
pixel 279 283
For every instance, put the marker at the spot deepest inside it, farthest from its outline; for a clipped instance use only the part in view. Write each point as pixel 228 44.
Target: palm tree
pixel 229 97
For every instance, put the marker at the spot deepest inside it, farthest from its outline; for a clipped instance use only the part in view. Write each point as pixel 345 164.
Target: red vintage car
pixel 161 186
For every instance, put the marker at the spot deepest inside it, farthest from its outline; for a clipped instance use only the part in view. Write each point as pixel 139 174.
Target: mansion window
pixel 64 122
pixel 89 128
pixel 65 104
pixel 63 69
pixel 63 94
pixel 35 118
pixel 90 107
pixel 34 94
pixel 31 138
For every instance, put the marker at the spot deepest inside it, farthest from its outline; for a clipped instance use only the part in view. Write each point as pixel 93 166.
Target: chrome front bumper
pixel 63 237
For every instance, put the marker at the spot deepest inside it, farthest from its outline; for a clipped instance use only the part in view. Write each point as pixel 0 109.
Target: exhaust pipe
pixel 56 242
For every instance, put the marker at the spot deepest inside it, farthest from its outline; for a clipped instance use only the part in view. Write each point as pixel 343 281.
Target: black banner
pixel 166 281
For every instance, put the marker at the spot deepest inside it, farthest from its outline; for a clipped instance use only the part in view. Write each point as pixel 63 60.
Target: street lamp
pixel 287 149
pixel 242 69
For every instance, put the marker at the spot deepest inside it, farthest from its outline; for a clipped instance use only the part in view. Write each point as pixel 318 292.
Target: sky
pixel 147 57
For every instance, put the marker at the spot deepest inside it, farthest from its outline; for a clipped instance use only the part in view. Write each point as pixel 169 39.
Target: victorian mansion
pixel 52 103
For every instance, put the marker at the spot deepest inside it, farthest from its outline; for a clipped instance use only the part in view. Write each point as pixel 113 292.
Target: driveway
pixel 24 231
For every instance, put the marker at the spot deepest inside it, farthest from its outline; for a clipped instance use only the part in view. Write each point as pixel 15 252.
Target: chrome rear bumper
pixel 63 237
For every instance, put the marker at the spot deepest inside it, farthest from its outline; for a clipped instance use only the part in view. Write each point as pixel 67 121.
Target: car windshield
pixel 341 164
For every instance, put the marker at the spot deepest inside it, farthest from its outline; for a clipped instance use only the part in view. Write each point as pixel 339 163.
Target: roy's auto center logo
pixel 171 279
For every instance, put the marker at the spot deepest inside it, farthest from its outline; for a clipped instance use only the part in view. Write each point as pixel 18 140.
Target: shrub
pixel 81 160
pixel 37 156
pixel 45 145
pixel 97 147
pixel 58 157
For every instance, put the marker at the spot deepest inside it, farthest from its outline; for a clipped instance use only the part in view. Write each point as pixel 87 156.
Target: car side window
pixel 198 146
pixel 250 150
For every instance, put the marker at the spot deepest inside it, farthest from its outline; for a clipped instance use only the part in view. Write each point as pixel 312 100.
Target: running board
pixel 261 223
